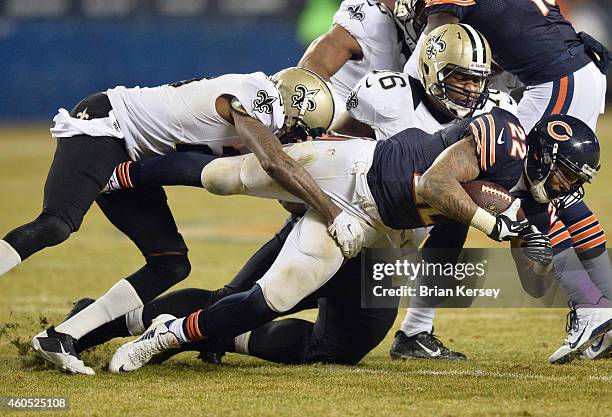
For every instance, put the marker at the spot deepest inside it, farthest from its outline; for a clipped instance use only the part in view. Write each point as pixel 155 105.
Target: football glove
pixel 507 227
pixel 537 247
pixel 348 234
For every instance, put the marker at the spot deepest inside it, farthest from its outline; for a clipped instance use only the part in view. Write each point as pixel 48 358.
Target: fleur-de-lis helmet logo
pixel 435 44
pixel 305 98
pixel 263 102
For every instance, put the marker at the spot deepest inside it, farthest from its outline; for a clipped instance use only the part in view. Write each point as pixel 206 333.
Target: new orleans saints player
pixel 391 102
pixel 221 114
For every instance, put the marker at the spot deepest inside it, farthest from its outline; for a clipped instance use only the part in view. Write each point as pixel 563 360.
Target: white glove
pixel 507 227
pixel 348 234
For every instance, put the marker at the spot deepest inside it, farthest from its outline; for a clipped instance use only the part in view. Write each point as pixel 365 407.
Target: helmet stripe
pixel 478 48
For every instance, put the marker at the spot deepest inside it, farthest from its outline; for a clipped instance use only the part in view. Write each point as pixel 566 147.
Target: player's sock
pixel 177 303
pixel 9 258
pixel 102 334
pixel 418 320
pixel 575 281
pixel 599 270
pixel 230 316
pixel 179 168
pixel 120 298
pixel 134 322
pixel 176 327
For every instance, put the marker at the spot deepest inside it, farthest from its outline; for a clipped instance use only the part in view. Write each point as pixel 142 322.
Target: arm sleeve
pixel 368 23
pixel 495 145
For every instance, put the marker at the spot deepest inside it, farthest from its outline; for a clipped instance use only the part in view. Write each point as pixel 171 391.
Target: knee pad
pixel 55 228
pixel 46 230
pixel 222 176
pixel 171 268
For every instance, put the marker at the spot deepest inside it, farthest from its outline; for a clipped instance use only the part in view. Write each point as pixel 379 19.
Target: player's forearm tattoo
pixel 440 185
pixel 284 170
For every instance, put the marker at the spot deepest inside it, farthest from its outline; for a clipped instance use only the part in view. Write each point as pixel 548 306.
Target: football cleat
pixel 59 349
pixel 134 355
pixel 584 326
pixel 422 346
pixel 600 349
pixel 208 352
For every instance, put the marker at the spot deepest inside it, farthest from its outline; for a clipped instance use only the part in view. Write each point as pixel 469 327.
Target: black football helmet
pixel 563 154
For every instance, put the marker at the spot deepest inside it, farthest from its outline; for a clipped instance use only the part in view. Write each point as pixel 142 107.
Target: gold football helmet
pixel 308 103
pixel 456 52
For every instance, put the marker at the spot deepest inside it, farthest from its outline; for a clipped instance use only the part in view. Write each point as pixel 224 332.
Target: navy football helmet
pixel 563 154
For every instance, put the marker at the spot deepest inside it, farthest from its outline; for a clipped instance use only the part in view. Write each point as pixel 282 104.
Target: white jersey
pixel 390 102
pixel 373 27
pixel 155 120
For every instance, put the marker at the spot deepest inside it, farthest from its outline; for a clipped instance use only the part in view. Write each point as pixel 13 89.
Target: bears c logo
pixel 559 130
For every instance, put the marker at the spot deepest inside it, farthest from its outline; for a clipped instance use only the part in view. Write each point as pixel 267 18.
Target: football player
pixel 384 103
pixel 565 74
pixel 221 115
pixel 378 182
pixel 364 36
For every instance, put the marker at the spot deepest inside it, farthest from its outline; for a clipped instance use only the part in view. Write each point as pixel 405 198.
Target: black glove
pixel 536 246
pixel 507 227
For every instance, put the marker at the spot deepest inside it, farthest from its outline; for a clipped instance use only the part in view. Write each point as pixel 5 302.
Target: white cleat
pixel 135 354
pixel 600 348
pixel 584 326
pixel 58 348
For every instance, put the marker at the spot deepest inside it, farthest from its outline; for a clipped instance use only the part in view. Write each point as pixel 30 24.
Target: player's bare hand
pixel 348 234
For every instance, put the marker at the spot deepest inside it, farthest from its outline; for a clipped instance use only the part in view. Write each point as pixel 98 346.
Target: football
pixel 492 197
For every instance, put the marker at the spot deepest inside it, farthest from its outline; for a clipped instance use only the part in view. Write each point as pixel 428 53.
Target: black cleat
pixel 422 346
pixel 79 305
pixel 211 357
pixel 59 349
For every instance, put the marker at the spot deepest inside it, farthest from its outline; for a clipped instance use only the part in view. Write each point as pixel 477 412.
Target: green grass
pixel 507 373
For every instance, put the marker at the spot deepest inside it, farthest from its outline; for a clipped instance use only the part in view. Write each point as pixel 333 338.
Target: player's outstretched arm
pixel 294 178
pixel 329 52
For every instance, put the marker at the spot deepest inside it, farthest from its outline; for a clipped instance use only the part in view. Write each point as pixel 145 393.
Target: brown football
pixel 492 197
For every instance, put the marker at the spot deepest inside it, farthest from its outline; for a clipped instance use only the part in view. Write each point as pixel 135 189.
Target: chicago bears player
pixel 384 103
pixel 564 73
pixel 382 184
pixel 131 123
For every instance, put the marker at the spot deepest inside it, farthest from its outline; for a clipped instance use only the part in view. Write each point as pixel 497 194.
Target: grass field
pixel 507 374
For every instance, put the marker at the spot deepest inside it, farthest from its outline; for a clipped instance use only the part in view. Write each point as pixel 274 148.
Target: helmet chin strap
pixel 538 188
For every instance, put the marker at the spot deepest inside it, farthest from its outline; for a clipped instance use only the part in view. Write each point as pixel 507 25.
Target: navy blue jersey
pixel 529 38
pixel 399 162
